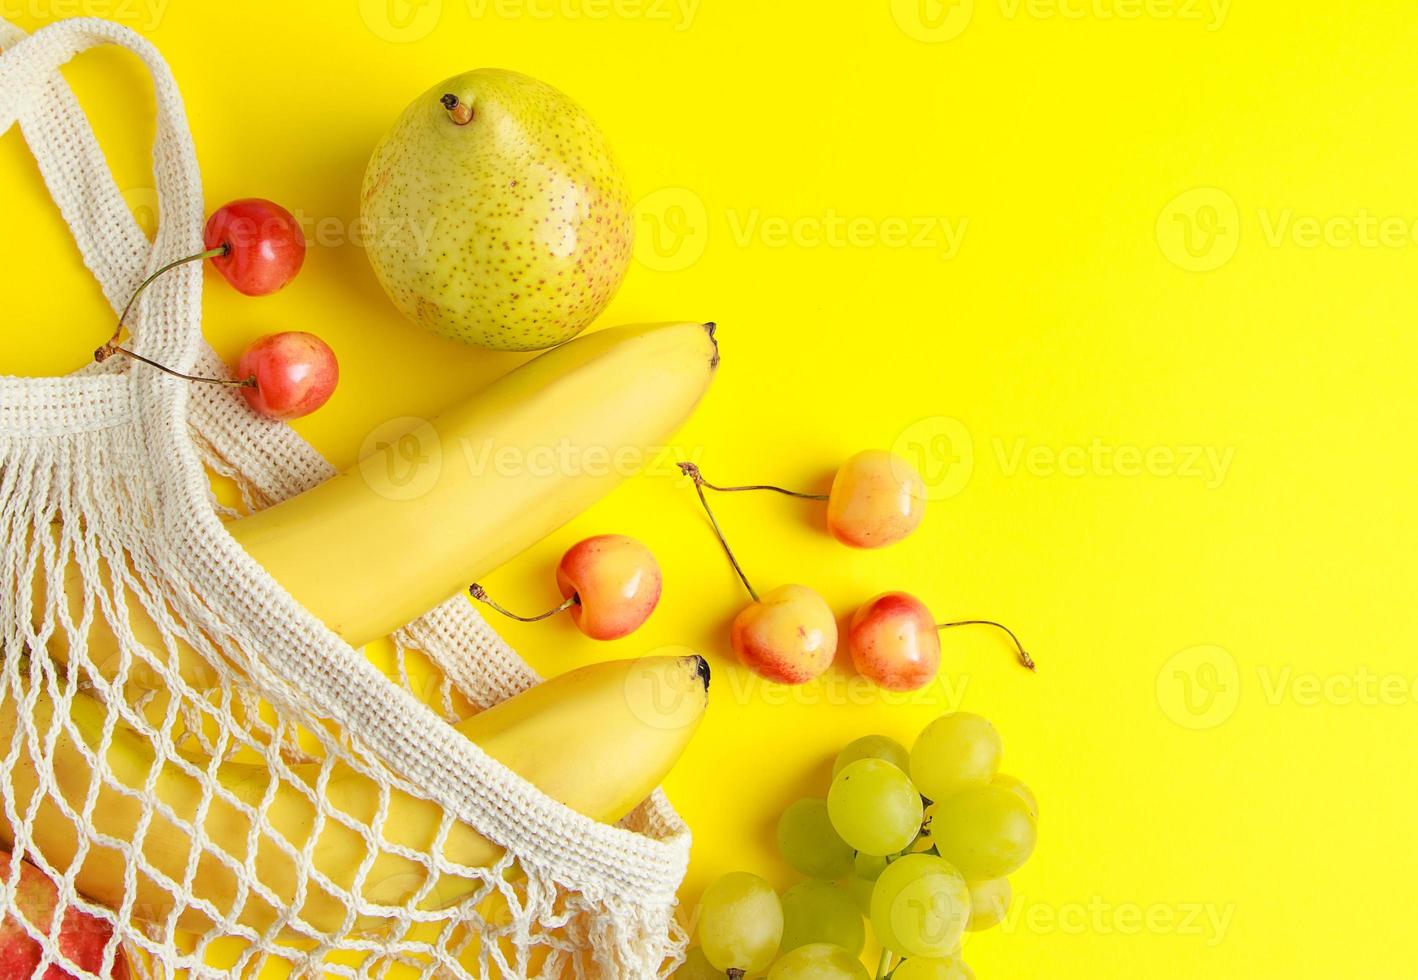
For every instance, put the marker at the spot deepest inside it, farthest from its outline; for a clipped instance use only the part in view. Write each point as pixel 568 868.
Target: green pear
pixel 494 213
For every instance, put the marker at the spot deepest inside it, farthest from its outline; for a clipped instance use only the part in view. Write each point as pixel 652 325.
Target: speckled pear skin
pixel 510 232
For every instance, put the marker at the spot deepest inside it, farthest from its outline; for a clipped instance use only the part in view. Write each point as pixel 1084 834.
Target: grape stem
pixel 480 594
pixel 734 973
pixel 692 471
pixel 883 966
pixel 1024 657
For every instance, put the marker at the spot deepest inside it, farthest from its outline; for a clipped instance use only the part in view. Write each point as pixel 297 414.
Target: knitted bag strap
pixel 34 94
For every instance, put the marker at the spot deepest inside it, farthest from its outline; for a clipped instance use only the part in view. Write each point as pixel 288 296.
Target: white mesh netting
pixel 188 754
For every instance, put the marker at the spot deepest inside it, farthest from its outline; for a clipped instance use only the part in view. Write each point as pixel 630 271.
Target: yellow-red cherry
pixel 894 642
pixel 615 582
pixel 877 498
pixel 788 635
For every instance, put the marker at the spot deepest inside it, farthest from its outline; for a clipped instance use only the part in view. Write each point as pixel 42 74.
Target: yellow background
pixel 1187 227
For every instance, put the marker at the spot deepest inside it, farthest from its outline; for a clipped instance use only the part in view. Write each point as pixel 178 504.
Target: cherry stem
pixel 223 249
pixel 692 471
pixel 1024 657
pixel 108 350
pixel 755 486
pixel 479 593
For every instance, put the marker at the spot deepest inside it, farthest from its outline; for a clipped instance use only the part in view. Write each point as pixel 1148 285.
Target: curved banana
pixel 434 508
pixel 598 739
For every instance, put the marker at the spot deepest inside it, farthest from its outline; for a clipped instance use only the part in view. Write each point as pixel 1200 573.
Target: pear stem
pixel 459 111
pixel 1024 657
pixel 692 471
pixel 480 594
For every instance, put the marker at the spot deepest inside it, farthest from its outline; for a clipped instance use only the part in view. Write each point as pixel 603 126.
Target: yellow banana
pixel 439 505
pixel 598 739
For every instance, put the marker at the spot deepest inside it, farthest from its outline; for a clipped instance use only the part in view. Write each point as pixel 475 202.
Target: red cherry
pixel 615 581
pixel 81 937
pixel 295 373
pixel 894 643
pixel 264 246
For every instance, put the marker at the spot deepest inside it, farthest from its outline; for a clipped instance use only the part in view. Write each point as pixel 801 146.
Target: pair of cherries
pixel 789 634
pixel 258 247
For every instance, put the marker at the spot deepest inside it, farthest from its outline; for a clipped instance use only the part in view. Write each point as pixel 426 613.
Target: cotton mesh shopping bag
pixel 106 508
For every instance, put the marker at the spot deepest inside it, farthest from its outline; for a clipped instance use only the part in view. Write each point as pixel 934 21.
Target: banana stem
pixel 692 471
pixel 112 346
pixel 479 593
pixel 1023 654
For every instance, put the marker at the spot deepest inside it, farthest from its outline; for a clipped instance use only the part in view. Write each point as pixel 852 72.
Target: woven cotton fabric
pixel 109 528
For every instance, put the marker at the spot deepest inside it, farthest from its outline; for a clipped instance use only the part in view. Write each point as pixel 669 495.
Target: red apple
pixel 616 582
pixel 788 635
pixel 82 937
pixel 894 643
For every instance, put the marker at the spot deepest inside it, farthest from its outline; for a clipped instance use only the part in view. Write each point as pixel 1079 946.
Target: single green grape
pixel 920 906
pixel 873 747
pixel 874 807
pixel 1017 786
pixel 923 968
pixel 989 901
pixel 986 832
pixel 868 866
pixel 821 912
pixel 809 843
pixel 820 961
pixel 740 923
pixel 955 752
pixel 861 890
pixel 696 966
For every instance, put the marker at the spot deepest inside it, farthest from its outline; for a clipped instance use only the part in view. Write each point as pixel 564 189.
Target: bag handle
pixel 113 246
